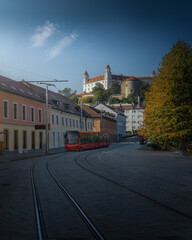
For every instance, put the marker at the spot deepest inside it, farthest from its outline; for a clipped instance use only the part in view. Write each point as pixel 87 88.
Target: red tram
pixel 77 141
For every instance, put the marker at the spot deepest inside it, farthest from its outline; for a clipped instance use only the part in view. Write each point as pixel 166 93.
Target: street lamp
pixel 81 116
pixel 132 120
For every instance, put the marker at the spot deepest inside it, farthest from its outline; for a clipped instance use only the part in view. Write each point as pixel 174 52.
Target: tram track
pixel 157 202
pixel 41 228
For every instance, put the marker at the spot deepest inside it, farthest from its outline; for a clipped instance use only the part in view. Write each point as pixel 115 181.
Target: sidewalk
pixel 6 156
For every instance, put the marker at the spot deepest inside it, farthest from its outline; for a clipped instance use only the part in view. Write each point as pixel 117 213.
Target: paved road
pixel 127 192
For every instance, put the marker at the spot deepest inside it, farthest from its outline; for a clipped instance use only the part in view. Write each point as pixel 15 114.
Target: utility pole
pixel 81 116
pixel 132 121
pixel 101 125
pixel 46 109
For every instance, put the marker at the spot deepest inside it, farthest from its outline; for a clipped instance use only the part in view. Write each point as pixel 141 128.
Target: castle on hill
pixel 129 84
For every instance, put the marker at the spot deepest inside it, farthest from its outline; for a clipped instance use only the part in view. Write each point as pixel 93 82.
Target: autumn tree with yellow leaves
pixel 168 111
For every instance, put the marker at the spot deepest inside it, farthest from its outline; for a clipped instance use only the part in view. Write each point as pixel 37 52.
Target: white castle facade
pixel 108 78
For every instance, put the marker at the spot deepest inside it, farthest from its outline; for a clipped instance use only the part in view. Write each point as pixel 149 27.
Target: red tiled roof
pixel 127 107
pixel 107 67
pixel 96 79
pixel 85 73
pixel 92 111
pixel 130 79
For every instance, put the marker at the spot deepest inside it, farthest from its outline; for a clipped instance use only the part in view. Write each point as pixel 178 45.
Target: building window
pixel 74 123
pixel 88 125
pixel 62 121
pixel 15 111
pixel 53 119
pixel 32 114
pixel 57 119
pixel 40 115
pixel 24 112
pixel 77 123
pixel 5 109
pixel 66 120
pixel 70 123
pixel 58 139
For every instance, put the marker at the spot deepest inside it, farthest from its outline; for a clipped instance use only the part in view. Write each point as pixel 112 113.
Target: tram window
pixel 72 138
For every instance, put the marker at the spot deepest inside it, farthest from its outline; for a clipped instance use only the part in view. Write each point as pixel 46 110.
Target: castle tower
pixel 85 80
pixel 107 76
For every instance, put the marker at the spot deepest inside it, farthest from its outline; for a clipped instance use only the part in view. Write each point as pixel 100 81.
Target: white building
pixel 119 117
pixel 107 79
pixel 134 116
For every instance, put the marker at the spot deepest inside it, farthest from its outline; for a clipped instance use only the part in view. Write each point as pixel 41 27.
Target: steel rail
pixel 86 219
pixel 135 181
pixel 189 217
pixel 38 212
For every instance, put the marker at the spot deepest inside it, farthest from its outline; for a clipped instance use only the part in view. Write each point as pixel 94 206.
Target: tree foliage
pixel 115 88
pixel 113 100
pixel 144 88
pixel 98 86
pixel 168 111
pixel 75 99
pixel 100 96
pixel 67 92
pixel 86 100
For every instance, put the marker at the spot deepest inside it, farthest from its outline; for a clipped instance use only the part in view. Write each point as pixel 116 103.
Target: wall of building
pixel 13 126
pixel 134 119
pixel 62 122
pixel 108 125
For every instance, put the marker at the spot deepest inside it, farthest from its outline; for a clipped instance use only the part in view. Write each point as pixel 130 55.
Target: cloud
pixel 42 33
pixel 64 42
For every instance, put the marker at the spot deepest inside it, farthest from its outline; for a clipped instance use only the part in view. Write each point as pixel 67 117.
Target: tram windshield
pixel 72 137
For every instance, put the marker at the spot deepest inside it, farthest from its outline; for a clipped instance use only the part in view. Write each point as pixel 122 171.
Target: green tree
pixel 100 96
pixel 113 100
pixel 144 87
pixel 75 99
pixel 67 92
pixel 132 98
pixel 115 88
pixel 168 111
pixel 98 86
pixel 86 100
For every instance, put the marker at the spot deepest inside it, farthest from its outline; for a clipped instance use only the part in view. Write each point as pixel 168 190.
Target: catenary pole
pixel 47 83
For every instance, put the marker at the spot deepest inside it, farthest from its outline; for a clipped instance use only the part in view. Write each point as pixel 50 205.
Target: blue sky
pixel 61 39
